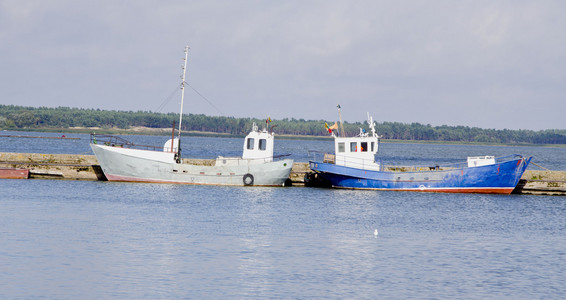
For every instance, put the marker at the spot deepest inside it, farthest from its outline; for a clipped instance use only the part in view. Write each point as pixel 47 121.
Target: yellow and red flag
pixel 334 127
pixel 330 128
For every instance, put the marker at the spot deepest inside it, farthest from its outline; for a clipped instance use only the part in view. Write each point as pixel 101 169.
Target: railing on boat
pixel 241 161
pixel 350 161
pixel 363 163
pixel 116 141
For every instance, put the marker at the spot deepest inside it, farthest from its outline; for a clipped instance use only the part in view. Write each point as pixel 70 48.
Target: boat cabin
pixel 359 151
pixel 258 145
pixel 258 149
pixel 356 152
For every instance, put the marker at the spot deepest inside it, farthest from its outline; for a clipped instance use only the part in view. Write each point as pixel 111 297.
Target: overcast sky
pixel 488 64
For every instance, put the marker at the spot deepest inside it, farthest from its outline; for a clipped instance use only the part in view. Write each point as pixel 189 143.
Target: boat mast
pixel 341 123
pixel 371 126
pixel 184 66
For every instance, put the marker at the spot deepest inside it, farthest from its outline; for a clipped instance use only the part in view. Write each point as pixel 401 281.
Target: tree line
pixel 20 117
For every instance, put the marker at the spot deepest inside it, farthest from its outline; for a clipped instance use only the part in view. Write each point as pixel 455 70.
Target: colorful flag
pixel 330 128
pixel 327 128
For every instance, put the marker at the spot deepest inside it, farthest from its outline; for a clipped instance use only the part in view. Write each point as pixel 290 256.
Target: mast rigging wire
pixel 168 99
pixel 203 97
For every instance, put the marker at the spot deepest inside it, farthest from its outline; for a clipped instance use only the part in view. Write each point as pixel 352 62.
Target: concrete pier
pixel 54 166
pixel 85 167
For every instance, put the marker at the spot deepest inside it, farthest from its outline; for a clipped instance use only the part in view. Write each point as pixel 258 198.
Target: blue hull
pixel 499 178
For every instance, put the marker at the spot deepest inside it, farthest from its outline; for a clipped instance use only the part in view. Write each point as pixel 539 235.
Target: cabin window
pixel 250 144
pixel 372 146
pixel 353 147
pixel 341 147
pixel 364 147
pixel 262 144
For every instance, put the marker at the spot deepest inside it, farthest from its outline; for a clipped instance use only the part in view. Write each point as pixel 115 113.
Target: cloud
pixel 475 63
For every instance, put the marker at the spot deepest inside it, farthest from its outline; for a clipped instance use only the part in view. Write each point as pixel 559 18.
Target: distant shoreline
pixel 139 130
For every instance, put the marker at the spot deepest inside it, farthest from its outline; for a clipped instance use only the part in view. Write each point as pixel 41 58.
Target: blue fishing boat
pixel 354 166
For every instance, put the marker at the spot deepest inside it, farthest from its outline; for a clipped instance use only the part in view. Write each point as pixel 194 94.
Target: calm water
pixel 93 240
pixel 553 158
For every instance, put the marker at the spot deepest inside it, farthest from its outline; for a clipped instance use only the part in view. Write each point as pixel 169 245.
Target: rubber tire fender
pixel 248 179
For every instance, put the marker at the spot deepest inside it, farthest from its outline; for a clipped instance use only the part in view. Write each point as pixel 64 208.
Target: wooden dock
pixel 85 167
pixel 54 166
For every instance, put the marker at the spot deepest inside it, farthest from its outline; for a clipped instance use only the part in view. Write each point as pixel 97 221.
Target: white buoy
pixel 375 233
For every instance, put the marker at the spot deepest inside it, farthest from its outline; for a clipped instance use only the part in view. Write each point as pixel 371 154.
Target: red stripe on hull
pixel 504 191
pixel 117 178
pixel 133 179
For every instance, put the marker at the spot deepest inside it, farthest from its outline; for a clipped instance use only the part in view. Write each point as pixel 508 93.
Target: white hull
pixel 134 165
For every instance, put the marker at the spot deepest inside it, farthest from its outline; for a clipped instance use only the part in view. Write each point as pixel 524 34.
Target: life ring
pixel 248 179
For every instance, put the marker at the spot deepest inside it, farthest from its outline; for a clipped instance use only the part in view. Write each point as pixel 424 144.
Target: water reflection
pixel 68 239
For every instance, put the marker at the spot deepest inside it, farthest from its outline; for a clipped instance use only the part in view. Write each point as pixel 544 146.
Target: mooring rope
pixel 539 166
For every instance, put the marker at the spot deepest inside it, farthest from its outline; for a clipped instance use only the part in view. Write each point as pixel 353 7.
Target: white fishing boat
pixel 122 160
